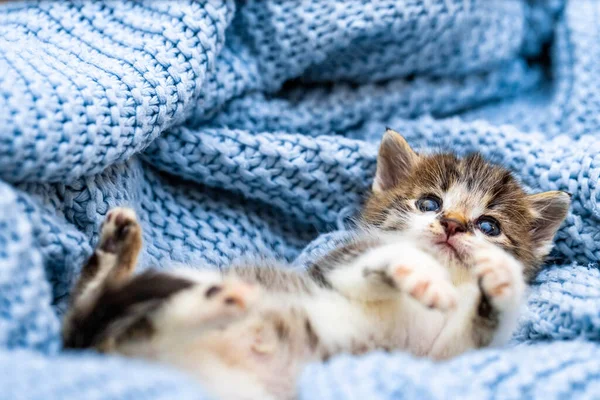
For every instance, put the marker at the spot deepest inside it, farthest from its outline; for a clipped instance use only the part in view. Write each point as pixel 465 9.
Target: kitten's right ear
pixel 550 210
pixel 394 162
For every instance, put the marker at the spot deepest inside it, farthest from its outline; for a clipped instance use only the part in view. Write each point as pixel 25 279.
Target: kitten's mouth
pixel 448 247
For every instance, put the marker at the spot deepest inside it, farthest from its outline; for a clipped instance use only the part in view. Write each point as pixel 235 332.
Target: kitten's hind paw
pixel 120 231
pixel 232 295
pixel 211 303
pixel 120 243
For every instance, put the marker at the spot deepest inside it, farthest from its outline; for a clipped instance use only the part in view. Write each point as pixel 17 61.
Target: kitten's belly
pixel 357 327
pixel 417 328
pixel 270 371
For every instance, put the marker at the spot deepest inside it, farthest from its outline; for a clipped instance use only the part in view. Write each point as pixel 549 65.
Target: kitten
pixel 438 266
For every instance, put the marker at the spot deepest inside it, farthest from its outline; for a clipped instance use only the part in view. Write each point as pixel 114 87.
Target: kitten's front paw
pixel 500 277
pixel 120 229
pixel 424 279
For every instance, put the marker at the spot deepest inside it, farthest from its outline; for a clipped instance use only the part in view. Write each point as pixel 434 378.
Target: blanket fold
pixel 251 127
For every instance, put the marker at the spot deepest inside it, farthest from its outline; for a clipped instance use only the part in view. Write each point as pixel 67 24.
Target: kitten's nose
pixel 452 226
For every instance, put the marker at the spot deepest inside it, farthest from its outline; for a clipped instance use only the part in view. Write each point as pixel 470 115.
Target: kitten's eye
pixel 429 204
pixel 489 226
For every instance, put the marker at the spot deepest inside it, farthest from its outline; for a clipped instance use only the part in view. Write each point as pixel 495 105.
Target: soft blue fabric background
pixel 237 129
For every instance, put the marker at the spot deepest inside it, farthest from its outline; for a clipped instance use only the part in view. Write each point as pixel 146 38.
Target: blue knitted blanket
pixel 237 129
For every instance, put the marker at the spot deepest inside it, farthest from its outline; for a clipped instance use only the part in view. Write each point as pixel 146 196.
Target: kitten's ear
pixel 394 162
pixel 550 209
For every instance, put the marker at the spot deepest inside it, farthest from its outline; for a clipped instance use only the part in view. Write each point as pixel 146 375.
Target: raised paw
pixel 430 289
pixel 500 277
pixel 120 231
pixel 423 278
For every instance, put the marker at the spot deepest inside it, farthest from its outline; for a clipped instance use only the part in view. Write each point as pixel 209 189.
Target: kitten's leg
pixel 115 255
pixel 181 317
pixel 168 307
pixel 502 286
pixel 489 309
pixel 384 271
pixel 113 261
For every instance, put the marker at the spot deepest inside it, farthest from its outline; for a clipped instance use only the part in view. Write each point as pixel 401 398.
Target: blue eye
pixel 489 226
pixel 429 204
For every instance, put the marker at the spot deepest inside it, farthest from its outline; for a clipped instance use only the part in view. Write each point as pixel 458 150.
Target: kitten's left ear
pixel 394 162
pixel 550 209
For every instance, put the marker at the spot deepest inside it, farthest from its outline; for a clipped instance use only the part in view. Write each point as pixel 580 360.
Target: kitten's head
pixel 452 204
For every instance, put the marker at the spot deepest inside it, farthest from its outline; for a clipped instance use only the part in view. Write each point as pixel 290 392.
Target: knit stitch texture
pixel 252 128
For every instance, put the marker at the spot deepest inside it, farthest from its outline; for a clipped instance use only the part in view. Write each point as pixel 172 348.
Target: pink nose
pixel 453 226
